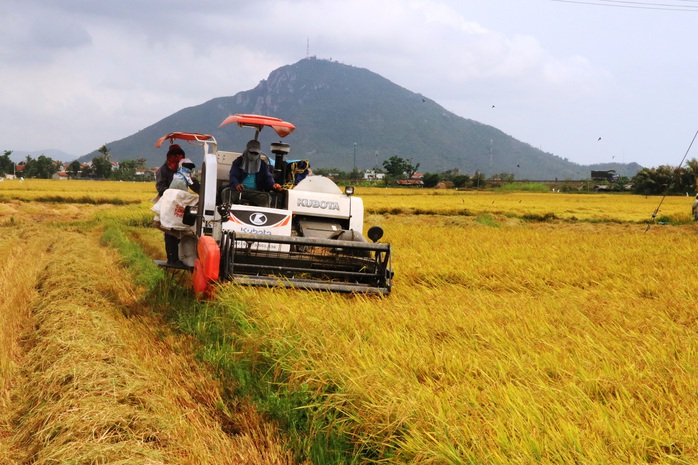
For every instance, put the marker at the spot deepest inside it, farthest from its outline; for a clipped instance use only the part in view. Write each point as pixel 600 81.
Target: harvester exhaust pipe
pixel 280 150
pixel 349 191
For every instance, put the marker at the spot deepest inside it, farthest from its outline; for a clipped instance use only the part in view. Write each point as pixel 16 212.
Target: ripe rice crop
pixel 532 205
pixel 80 192
pixel 522 327
pixel 505 341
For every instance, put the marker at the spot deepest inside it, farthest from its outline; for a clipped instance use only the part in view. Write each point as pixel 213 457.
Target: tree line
pixel 44 167
pixel 667 179
pixel 661 180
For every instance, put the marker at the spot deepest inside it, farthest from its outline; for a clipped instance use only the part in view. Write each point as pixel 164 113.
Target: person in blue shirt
pixel 250 172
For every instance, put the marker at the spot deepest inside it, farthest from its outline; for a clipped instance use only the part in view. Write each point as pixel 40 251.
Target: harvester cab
pixel 308 235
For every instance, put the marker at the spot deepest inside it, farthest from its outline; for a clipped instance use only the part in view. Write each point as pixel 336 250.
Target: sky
pixel 592 81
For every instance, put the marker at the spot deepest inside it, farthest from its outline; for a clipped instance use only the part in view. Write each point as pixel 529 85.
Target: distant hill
pixel 338 107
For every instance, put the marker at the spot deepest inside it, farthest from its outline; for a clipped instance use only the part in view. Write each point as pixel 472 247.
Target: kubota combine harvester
pixel 309 236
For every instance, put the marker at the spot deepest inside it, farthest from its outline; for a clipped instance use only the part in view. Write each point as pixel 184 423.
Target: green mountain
pixel 347 116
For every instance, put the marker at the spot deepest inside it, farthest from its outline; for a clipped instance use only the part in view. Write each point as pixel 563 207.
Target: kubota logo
pixel 258 218
pixel 323 204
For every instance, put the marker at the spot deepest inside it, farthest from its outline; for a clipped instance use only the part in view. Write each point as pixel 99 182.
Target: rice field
pixel 506 340
pixel 522 327
pixel 528 205
pixel 513 343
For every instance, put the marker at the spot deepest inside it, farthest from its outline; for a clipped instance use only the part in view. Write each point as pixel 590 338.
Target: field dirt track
pixel 89 373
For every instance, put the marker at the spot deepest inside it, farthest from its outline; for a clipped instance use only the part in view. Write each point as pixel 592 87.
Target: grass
pixel 248 373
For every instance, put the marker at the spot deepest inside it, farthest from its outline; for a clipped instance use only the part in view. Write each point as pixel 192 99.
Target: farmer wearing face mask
pixel 251 172
pixel 164 175
pixel 163 180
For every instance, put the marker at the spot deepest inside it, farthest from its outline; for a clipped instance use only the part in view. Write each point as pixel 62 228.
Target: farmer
pixel 694 209
pixel 250 172
pixel 163 180
pixel 164 175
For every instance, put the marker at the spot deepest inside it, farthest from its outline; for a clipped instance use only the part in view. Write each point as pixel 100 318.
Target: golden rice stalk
pixel 98 387
pixel 512 343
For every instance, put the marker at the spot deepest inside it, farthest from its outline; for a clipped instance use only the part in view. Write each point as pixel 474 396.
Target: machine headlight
pixel 224 211
pixel 349 190
pixel 190 214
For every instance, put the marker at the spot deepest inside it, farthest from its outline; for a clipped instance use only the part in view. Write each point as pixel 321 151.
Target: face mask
pixel 173 163
pixel 252 162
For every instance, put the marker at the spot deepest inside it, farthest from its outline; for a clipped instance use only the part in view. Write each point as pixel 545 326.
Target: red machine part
pixel 206 266
pixel 188 136
pixel 282 128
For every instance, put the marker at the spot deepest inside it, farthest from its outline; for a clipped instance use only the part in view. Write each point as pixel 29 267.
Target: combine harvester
pixel 309 237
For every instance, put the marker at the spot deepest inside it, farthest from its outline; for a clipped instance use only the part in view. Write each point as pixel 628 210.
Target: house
pixel 604 175
pixel 414 181
pixel 372 175
pixel 410 182
pixel 145 175
pixel 60 175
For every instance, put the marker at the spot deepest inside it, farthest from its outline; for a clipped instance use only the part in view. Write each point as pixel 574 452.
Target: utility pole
pixel 354 156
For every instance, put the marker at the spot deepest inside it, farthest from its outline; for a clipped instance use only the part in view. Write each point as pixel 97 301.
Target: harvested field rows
pixel 89 373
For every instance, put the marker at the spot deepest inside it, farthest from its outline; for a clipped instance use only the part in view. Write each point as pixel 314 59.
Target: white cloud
pixel 441 14
pixel 99 71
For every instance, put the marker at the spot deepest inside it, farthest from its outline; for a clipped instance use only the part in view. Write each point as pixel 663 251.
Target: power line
pixel 641 4
pixel 654 215
pixel 636 4
pixel 633 5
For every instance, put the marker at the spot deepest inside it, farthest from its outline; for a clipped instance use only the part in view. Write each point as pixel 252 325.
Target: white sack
pixel 169 209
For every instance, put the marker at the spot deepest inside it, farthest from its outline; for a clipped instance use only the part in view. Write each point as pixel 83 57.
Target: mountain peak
pixel 347 115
